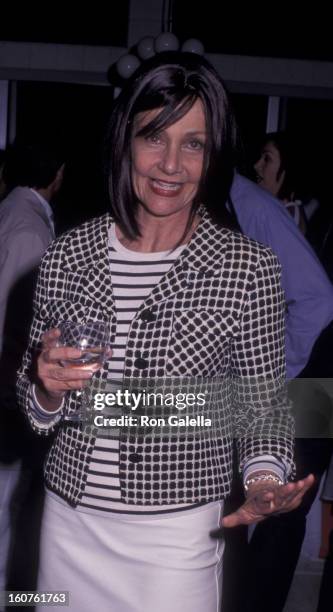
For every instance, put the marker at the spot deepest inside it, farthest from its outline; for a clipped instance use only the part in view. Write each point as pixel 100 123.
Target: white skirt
pixel 132 563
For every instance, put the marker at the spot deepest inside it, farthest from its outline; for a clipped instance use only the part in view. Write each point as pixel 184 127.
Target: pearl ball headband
pixel 149 46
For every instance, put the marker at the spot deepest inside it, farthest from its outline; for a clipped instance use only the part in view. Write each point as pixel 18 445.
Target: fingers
pixel 56 378
pixel 265 502
pixel 57 354
pixel 243 516
pixel 284 498
pixel 67 375
pixel 291 489
pixel 55 382
pixel 232 520
pixel 293 494
pixel 50 337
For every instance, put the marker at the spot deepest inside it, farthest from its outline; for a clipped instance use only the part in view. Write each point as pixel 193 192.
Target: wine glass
pixel 92 338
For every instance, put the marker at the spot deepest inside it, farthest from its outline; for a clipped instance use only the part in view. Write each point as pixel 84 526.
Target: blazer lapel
pixel 87 258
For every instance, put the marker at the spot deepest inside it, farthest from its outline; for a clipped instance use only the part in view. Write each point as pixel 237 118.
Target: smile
pixel 165 189
pixel 166 185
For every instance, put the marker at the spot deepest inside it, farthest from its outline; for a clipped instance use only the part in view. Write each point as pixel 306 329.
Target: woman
pixel 187 299
pixel 276 171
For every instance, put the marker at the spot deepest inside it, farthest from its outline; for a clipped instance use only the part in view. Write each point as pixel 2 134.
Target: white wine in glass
pixel 89 359
pixel 91 337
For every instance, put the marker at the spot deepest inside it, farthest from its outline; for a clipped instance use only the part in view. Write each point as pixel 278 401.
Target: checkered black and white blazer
pixel 217 314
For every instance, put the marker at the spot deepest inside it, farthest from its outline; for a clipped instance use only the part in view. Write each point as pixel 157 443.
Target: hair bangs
pixel 170 113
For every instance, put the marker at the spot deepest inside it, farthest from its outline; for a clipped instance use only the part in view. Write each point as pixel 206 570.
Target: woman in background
pixel 277 172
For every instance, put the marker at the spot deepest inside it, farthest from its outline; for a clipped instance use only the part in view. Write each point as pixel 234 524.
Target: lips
pixel 165 188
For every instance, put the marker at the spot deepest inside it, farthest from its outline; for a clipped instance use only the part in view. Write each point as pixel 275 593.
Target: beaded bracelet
pixel 263 477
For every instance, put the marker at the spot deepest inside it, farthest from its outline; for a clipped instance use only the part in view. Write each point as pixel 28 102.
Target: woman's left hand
pixel 266 498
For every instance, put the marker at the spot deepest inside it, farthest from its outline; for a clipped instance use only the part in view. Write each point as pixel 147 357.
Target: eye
pixel 195 145
pixel 154 138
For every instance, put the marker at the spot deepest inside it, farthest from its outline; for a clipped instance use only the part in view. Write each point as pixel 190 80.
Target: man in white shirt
pixel 26 230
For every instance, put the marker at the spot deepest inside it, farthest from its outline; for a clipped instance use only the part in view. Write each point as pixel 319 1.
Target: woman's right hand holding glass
pixel 55 379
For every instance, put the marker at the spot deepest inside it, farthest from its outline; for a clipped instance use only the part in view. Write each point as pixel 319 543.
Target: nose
pixel 170 162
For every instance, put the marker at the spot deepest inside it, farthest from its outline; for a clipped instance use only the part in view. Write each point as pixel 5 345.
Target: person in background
pixel 309 312
pixel 277 171
pixel 308 290
pixel 26 230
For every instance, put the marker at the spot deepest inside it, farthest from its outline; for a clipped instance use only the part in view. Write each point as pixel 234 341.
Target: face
pixel 267 168
pixel 167 166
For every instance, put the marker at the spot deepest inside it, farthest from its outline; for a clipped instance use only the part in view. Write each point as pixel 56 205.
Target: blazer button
pixel 135 458
pixel 147 315
pixel 141 363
